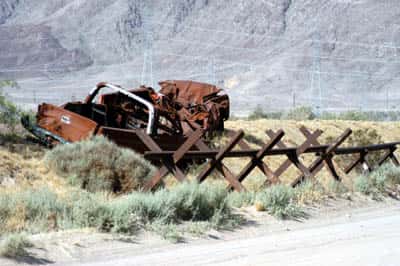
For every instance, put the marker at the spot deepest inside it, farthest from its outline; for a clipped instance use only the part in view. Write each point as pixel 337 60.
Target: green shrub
pixel 259 113
pixel 198 202
pixel 369 116
pixel 379 181
pixel 309 192
pixel 337 188
pixel 388 174
pixel 40 210
pixel 241 199
pixel 167 231
pixel 9 113
pixel 7 207
pixel 354 115
pixel 278 200
pixel 328 116
pixel 185 202
pixel 306 113
pixel 29 210
pixel 365 186
pixel 360 137
pixel 98 164
pixel 364 137
pixel 86 209
pixel 14 246
pixel 300 113
pixel 9 83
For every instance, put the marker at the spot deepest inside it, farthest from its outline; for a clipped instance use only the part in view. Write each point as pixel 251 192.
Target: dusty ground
pixel 356 232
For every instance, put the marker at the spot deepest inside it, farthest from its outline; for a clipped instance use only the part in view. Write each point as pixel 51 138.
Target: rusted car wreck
pixel 169 115
pixel 168 128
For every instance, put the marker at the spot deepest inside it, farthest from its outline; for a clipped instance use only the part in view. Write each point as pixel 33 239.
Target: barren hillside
pixel 339 54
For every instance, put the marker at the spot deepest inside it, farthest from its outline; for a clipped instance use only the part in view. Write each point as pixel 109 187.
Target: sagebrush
pixel 9 113
pixel 98 164
pixel 381 181
pixel 279 201
pixel 41 210
pixel 14 246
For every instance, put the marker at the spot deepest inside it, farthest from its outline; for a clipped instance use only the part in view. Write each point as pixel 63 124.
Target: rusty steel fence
pixel 195 148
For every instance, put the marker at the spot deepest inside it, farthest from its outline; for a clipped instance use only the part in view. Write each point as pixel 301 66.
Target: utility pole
pixel 211 71
pixel 393 43
pixel 147 70
pixel 316 73
pixel 34 97
pixel 387 99
pixel 294 98
pixel 316 63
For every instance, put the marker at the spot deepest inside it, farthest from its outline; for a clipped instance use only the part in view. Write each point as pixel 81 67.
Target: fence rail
pixel 195 148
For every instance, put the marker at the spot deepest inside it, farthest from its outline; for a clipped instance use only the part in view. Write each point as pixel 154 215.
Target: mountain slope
pixel 278 53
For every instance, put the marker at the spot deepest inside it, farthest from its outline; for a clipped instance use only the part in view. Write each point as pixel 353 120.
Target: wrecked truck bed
pixel 122 115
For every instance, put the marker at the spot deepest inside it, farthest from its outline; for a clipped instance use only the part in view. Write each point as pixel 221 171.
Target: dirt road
pixel 367 238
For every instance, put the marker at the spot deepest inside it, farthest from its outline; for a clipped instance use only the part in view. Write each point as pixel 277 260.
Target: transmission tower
pixel 211 71
pixel 147 31
pixel 316 72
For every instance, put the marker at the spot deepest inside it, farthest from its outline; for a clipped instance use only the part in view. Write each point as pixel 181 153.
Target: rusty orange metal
pixel 179 108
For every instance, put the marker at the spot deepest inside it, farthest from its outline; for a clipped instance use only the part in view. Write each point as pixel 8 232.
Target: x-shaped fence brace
pixel 293 158
pixel 325 158
pixel 195 147
pixel 169 164
pixel 216 163
pixel 390 155
pixel 362 159
pixel 256 160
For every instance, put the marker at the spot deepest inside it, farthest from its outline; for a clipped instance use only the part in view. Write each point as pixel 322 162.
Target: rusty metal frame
pixel 216 163
pixel 170 164
pixel 362 159
pixel 293 158
pixel 257 160
pixel 326 157
pixel 194 147
pixel 150 125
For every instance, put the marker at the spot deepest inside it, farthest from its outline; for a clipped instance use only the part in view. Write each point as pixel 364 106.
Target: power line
pixel 157 22
pixel 147 71
pixel 248 65
pixel 299 55
pixel 279 38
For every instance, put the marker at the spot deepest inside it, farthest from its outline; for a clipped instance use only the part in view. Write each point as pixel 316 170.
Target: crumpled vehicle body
pixel 198 104
pixel 168 115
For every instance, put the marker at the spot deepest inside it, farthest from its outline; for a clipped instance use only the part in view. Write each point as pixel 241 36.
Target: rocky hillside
pixel 277 53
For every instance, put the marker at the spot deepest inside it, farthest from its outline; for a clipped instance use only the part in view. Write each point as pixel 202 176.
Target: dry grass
pixel 18 173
